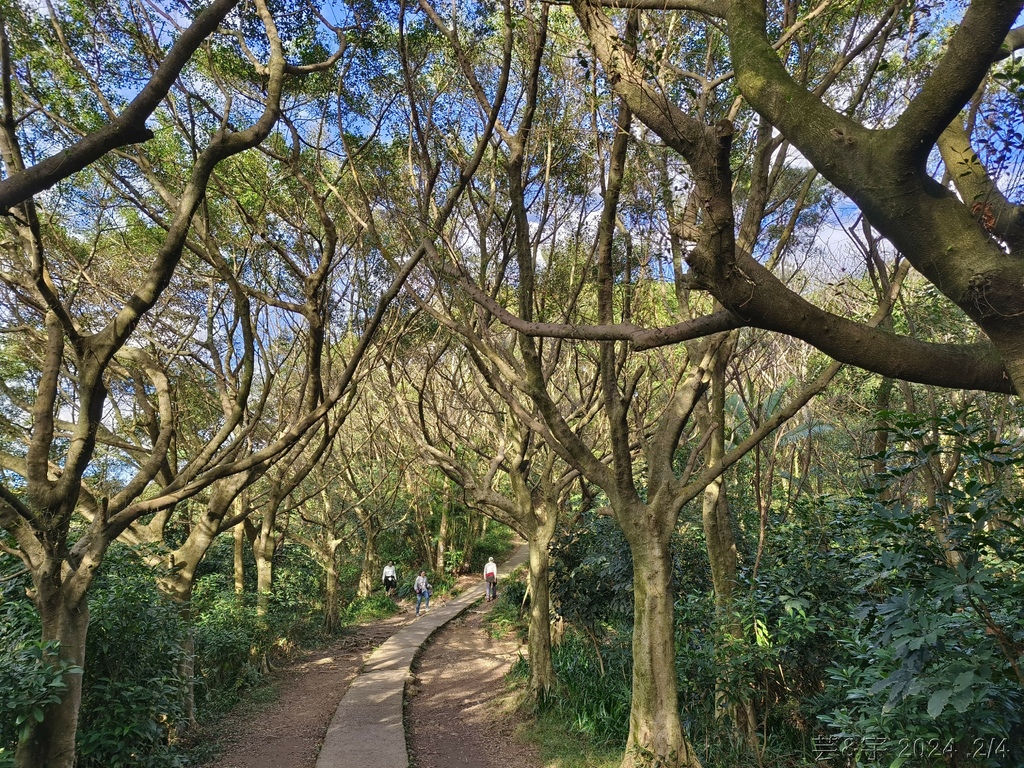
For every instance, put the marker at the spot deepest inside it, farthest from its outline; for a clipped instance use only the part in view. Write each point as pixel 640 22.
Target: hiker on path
pixel 491 579
pixel 422 589
pixel 390 579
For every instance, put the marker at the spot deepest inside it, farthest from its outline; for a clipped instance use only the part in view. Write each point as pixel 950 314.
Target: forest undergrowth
pixel 133 713
pixel 865 640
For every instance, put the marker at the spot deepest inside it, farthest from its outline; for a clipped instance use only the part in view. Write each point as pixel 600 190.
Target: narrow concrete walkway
pixel 368 730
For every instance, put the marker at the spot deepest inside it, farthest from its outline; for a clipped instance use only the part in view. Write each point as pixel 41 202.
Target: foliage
pixel 230 641
pixel 561 746
pixel 773 648
pixel 295 611
pixel 593 703
pixel 933 656
pixel 496 543
pixel 133 690
pixel 376 606
pixel 507 615
pixel 592 573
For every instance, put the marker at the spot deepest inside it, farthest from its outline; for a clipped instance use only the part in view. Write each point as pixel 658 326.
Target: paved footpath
pixel 368 730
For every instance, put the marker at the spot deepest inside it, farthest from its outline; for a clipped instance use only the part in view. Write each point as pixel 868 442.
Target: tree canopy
pixel 339 276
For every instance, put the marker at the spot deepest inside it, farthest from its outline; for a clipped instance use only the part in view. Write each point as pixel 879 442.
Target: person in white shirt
pixel 491 578
pixel 390 578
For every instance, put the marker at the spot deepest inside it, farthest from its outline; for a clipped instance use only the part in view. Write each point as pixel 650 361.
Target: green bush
pixel 376 606
pixel 132 691
pixel 590 703
pixel 497 543
pixel 592 573
pixel 928 672
pixel 924 665
pixel 507 615
pixel 230 641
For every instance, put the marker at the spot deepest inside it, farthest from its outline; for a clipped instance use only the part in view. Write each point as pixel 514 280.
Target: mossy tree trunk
pixel 65 619
pixel 656 736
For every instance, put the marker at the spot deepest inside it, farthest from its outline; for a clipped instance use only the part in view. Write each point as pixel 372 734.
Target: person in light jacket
pixel 390 578
pixel 491 578
pixel 422 589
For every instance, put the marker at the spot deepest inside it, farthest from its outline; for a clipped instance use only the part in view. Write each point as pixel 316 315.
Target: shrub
pixel 929 670
pixel 497 543
pixel 590 703
pixel 923 673
pixel 592 573
pixel 132 691
pixel 376 606
pixel 506 615
pixel 230 642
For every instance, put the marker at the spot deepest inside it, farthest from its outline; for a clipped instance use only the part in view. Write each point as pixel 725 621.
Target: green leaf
pixel 963 680
pixel 962 701
pixel 938 700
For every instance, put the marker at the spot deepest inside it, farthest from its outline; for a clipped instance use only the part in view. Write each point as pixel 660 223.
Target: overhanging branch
pixel 128 128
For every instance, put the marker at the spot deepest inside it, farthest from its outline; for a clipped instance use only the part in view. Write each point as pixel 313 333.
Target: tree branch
pixel 968 56
pixel 1014 42
pixel 977 189
pixel 128 128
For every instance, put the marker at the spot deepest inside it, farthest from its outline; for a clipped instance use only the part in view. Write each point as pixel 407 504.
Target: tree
pixel 636 456
pixel 459 417
pixel 39 510
pixel 883 170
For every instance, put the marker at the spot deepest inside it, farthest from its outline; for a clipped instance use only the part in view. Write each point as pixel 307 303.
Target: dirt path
pixel 459 716
pixel 454 720
pixel 287 732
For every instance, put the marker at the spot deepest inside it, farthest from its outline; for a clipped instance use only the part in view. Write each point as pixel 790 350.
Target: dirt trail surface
pixel 287 732
pixel 457 714
pixel 457 717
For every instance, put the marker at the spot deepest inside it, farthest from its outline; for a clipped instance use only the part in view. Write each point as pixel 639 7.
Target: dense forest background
pixel 715 303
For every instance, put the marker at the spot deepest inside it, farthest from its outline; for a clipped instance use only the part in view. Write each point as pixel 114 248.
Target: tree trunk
pixel 542 670
pixel 536 511
pixel 371 566
pixel 474 532
pixel 655 733
pixel 239 559
pixel 442 540
pixel 421 507
pixel 178 578
pixel 721 545
pixel 720 540
pixel 51 743
pixel 187 670
pixel 332 599
pixel 176 585
pixel 264 551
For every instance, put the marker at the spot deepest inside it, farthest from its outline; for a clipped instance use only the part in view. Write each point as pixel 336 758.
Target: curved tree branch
pixel 128 128
pixel 1014 42
pixel 968 56
pixel 977 189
